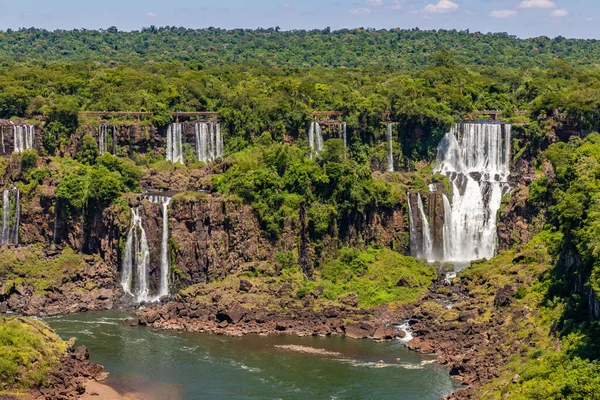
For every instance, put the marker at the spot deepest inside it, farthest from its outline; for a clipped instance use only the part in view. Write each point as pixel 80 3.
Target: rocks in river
pixel 385 333
pixel 233 313
pixel 359 330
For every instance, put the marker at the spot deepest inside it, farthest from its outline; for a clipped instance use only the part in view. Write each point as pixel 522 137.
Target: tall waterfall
pixel 136 261
pixel 315 139
pixel 174 143
pixel 427 237
pixel 209 141
pixel 104 133
pixel 11 215
pixel 476 158
pixel 344 134
pixel 164 247
pixel 23 138
pixel 390 139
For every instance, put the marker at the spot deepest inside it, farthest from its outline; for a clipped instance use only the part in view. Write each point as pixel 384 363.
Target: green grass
pixel 28 352
pixel 30 267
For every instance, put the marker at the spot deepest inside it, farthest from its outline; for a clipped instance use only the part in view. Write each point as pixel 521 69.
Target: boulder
pixel 233 313
pixel 359 330
pixel 245 285
pixel 504 297
pixel 385 333
pixel 350 299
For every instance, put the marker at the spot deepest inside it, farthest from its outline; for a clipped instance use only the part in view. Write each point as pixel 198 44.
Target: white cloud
pixel 151 14
pixel 537 4
pixel 503 13
pixel 559 13
pixel 360 11
pixel 588 19
pixel 442 7
pixel 285 5
pixel 374 2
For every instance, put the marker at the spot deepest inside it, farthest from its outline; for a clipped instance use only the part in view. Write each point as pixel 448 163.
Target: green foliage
pixel 377 276
pixel 29 350
pixel 89 150
pixel 73 191
pixel 29 160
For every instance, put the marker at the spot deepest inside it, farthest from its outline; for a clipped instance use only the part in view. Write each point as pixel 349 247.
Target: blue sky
pixel 524 18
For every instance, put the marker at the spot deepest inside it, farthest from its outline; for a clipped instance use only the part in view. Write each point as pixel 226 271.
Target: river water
pixel 165 365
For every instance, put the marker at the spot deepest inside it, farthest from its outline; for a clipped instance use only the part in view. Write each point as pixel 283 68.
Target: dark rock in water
pixel 504 297
pixel 476 176
pixel 385 333
pixel 359 330
pixel 245 286
pixel 131 321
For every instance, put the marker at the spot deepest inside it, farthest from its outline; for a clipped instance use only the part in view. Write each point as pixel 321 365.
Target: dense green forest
pixel 265 84
pixel 394 48
pixel 280 100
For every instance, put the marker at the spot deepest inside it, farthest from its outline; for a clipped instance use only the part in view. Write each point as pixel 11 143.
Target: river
pixel 169 365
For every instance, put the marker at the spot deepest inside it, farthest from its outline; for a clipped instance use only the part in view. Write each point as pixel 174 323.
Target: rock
pixel 149 317
pixel 81 353
pixel 385 333
pixel 359 330
pixel 466 316
pixel 516 378
pixel 131 321
pixel 245 285
pixel 233 314
pixel 504 297
pixel 331 312
pixel 401 334
pixel 350 299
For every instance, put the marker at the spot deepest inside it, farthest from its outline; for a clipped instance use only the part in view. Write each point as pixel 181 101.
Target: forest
pixel 397 49
pixel 265 85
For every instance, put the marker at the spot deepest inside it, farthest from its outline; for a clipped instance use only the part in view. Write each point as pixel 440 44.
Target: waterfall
pixel 164 248
pixel 476 159
pixel 427 252
pixel 136 261
pixel 174 143
pixel 315 139
pixel 23 138
pixel 344 134
pixel 209 141
pixel 390 139
pixel 104 133
pixel 11 215
pixel 414 247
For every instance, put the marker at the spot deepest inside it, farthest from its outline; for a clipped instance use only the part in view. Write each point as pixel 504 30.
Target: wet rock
pixel 359 330
pixel 385 333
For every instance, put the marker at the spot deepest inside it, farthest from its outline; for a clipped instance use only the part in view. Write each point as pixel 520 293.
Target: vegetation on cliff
pixel 29 350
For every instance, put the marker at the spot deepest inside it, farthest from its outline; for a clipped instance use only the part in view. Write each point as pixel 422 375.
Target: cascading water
pixel 315 139
pixel 476 158
pixel 209 141
pixel 23 138
pixel 427 253
pixel 344 134
pixel 164 248
pixel 174 143
pixel 390 139
pixel 11 215
pixel 136 261
pixel 104 133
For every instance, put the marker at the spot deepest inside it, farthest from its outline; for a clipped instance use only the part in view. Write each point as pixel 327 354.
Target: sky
pixel 523 18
